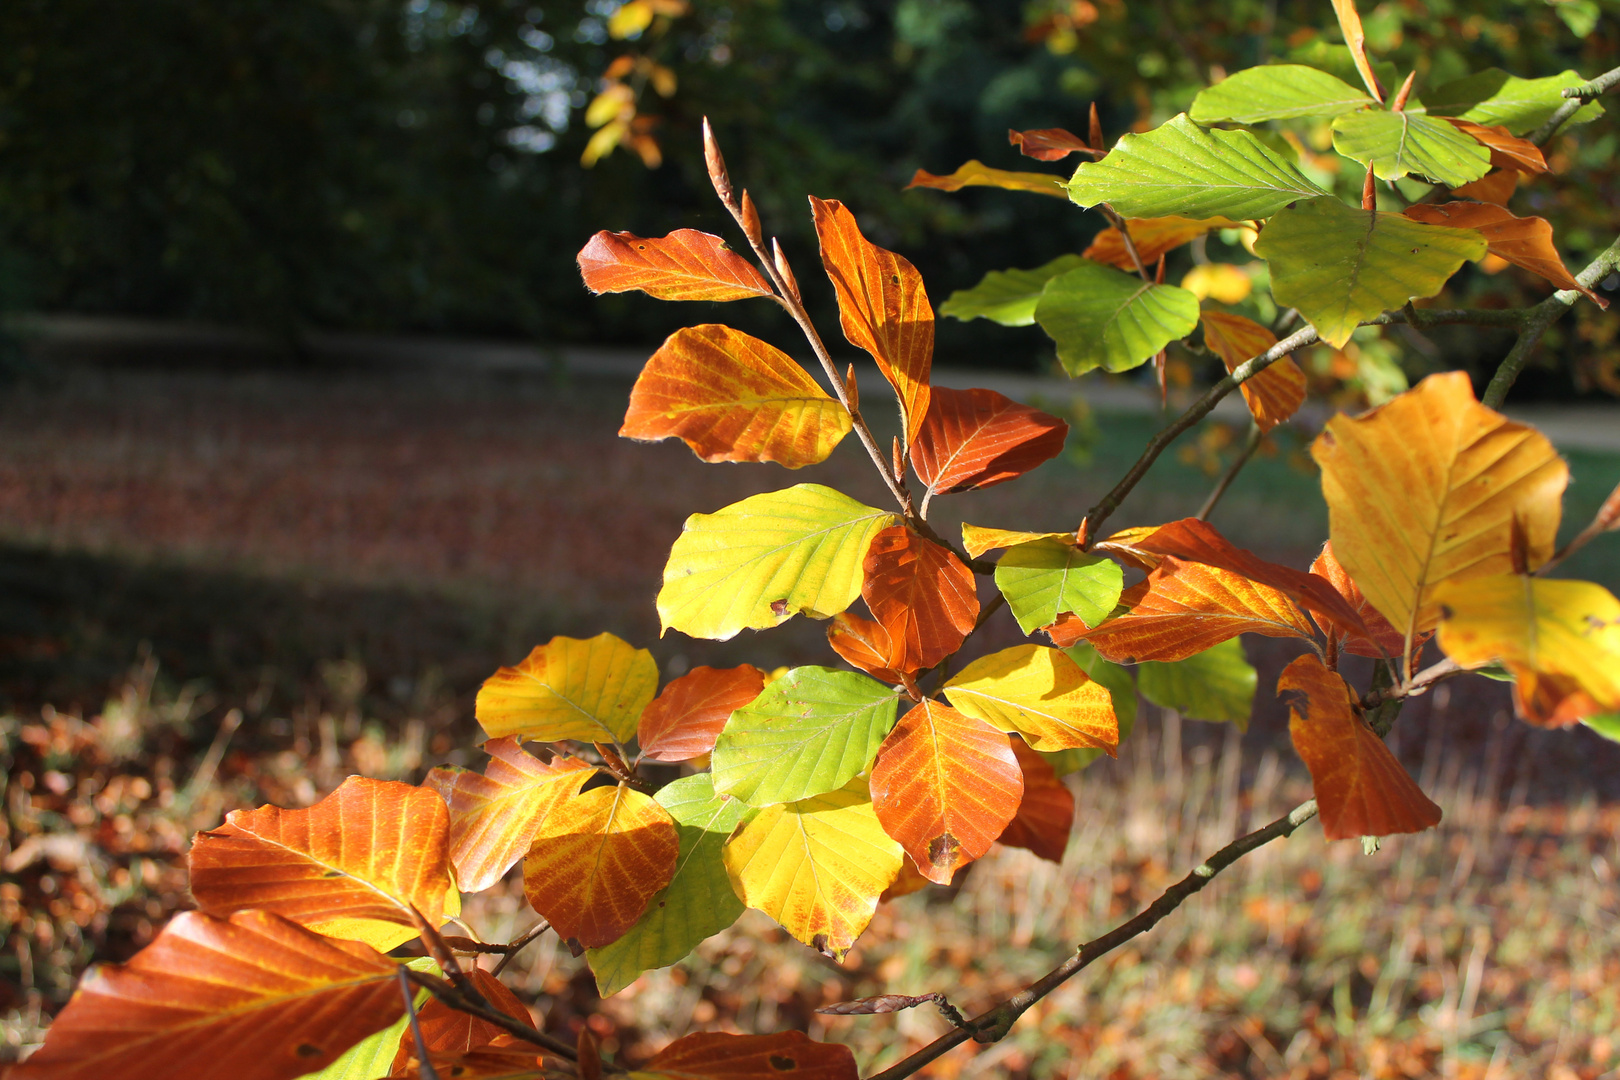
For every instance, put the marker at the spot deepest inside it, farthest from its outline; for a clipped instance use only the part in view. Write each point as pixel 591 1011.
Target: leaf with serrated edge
pixel 757 563
pixel 864 643
pixel 494 816
pixel 1526 242
pixel 697 903
pixel 590 690
pixel 978 174
pixel 1180 170
pixel 1217 684
pixel 1493 97
pixel 1101 317
pixel 978 539
pixel 1151 237
pixel 1560 639
pixel 945 785
pixel 1361 790
pixel 351 866
pixel 1045 817
pixel 1276 92
pixel 1007 297
pixel 1429 487
pixel 925 597
pixel 1044 578
pixel 1277 392
pixel 252 997
pixel 683 721
pixel 1398 144
pixel 597 861
pixel 1039 693
pixel 978 438
pixel 1339 265
pixel 685 265
pixel 810 732
pixel 1381 640
pixel 713 1055
pixel 732 397
pixel 817 866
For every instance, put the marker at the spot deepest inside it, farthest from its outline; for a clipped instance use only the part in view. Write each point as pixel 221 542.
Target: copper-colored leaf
pixel 1190 607
pixel 1070 629
pixel 1494 187
pixel 1049 144
pixel 1152 236
pixel 252 997
pixel 684 720
pixel 1277 392
pixel 494 815
pixel 596 862
pixel 1356 38
pixel 867 645
pixel 713 1055
pixel 976 438
pixel 685 265
pixel 503 1058
pixel 882 306
pixel 351 866
pixel 1361 790
pixel 1508 151
pixel 1126 546
pixel 978 174
pixel 1046 815
pixel 451 1031
pixel 1526 242
pixel 1381 639
pixel 924 596
pixel 945 785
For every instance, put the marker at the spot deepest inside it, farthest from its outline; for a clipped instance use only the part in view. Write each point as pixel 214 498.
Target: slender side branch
pixel 518 944
pixel 1118 222
pixel 993 1025
pixel 1420 682
pixel 426 1069
pixel 1250 445
pixel 1578 96
pixel 456 1000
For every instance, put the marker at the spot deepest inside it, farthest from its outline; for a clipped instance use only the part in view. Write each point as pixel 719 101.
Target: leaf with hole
pixel 590 690
pixel 1277 392
pixel 978 438
pixel 1039 693
pixel 1044 578
pixel 684 720
pixel 1100 317
pixel 685 265
pixel 1217 684
pixel 1007 297
pixel 1276 92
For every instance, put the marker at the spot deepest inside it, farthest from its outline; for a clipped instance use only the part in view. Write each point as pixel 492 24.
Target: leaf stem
pixel 1418 683
pixel 1250 445
pixel 1124 231
pixel 456 1000
pixel 518 944
pixel 426 1069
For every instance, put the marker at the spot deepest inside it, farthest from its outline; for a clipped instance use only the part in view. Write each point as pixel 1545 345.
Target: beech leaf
pixel 1398 144
pixel 978 539
pixel 866 644
pixel 978 438
pixel 1356 39
pixel 1042 579
pixel 714 1055
pixel 1007 297
pixel 1526 242
pixel 1102 317
pixel 1045 817
pixel 1151 237
pixel 685 265
pixel 1277 392
pixel 451 1031
pixel 1276 92
pixel 1048 144
pixel 922 594
pixel 1493 97
pixel 589 690
pixel 1039 693
pixel 1380 639
pixel 978 174
pixel 683 721
pixel 1217 684
pixel 1508 151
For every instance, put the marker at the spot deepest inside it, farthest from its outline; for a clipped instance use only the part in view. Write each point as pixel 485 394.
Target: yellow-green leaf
pixel 1044 578
pixel 978 174
pixel 1007 297
pixel 1102 317
pixel 1039 693
pixel 1493 97
pixel 1276 92
pixel 592 690
pixel 1398 144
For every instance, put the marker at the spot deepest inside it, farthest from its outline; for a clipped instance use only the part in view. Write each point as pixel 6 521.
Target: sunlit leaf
pixel 1560 640
pixel 494 815
pixel 1276 92
pixel 590 689
pixel 713 1055
pixel 1181 170
pixel 252 997
pixel 1223 282
pixel 1339 265
pixel 978 174
pixel 1046 815
pixel 1048 144
pixel 685 265
pixel 697 903
pixel 1122 692
pixel 1398 144
pixel 1494 97
pixel 924 596
pixel 1361 790
pixel 945 785
pixel 683 721
pixel 1494 187
pixel 1217 684
pixel 1356 38
pixel 1151 237
pixel 1102 317
pixel 1007 297
pixel 1044 578
pixel 1526 242
pixel 596 862
pixel 978 539
pixel 351 866
pixel 1039 693
pixel 817 866
pixel 373 1055
pixel 505 1058
pixel 866 644
pixel 1432 486
pixel 1277 392
pixel 757 563
pixel 1381 639
pixel 1508 151
pixel 882 306
pixel 977 438
pixel 451 1031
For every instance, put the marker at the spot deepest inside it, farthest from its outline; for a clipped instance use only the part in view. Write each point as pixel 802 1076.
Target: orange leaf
pixel 351 866
pixel 910 880
pixel 976 438
pixel 1046 816
pixel 506 1058
pixel 945 785
pixel 713 1055
pixel 978 174
pixel 1494 187
pixel 1381 639
pixel 1152 236
pixel 924 596
pixel 451 1031
pixel 685 265
pixel 1361 790
pixel 1125 546
pixel 1277 392
pixel 494 816
pixel 1356 38
pixel 1190 607
pixel 683 721
pixel 1525 242
pixel 1508 151
pixel 1070 629
pixel 252 997
pixel 597 861
pixel 978 539
pixel 867 645
pixel 1049 144
pixel 882 306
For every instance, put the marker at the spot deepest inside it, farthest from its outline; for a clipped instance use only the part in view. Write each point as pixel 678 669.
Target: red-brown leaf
pixel 867 645
pixel 1046 815
pixel 1152 236
pixel 1508 151
pixel 685 265
pixel 1049 144
pixel 1361 790
pixel 1496 187
pixel 976 438
pixel 451 1031
pixel 504 1058
pixel 1381 640
pixel 683 721
pixel 1526 242
pixel 713 1055
pixel 1277 392
pixel 924 596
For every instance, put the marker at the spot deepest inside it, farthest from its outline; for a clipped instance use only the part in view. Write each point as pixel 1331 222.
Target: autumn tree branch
pixel 1578 96
pixel 425 1068
pixel 1250 445
pixel 456 1000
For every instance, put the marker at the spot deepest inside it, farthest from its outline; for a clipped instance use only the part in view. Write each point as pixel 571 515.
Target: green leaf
pixel 1399 144
pixel 1007 296
pixel 697 903
pixel 1181 170
pixel 1102 317
pixel 759 562
pixel 1605 724
pixel 1277 92
pixel 1339 265
pixel 1045 578
pixel 1121 687
pixel 1492 97
pixel 1216 684
pixel 1335 59
pixel 373 1056
pixel 810 732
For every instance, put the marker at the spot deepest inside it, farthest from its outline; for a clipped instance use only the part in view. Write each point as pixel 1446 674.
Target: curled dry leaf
pixel 1526 242
pixel 685 265
pixel 591 690
pixel 1277 392
pixel 683 721
pixel 1046 815
pixel 977 438
pixel 1152 237
pixel 1361 790
pixel 1050 144
pixel 924 596
pixel 978 174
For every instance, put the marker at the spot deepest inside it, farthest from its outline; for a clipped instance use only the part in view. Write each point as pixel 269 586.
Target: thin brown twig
pixel 1118 222
pixel 426 1069
pixel 1417 684
pixel 1578 96
pixel 518 944
pixel 1250 445
pixel 456 1000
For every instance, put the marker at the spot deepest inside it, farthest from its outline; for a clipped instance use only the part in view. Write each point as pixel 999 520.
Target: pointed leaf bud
pixel 750 221
pixel 852 390
pixel 783 269
pixel 1095 136
pixel 1403 93
pixel 717 167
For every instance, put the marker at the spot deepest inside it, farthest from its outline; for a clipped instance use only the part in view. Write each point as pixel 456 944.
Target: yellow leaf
pixel 603 142
pixel 978 539
pixel 1039 693
pixel 978 174
pixel 592 690
pixel 1433 486
pixel 1560 639
pixel 1223 281
pixel 817 866
pixel 610 104
pixel 630 20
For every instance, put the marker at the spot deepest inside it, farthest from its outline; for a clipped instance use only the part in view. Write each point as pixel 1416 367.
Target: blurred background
pixel 307 424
